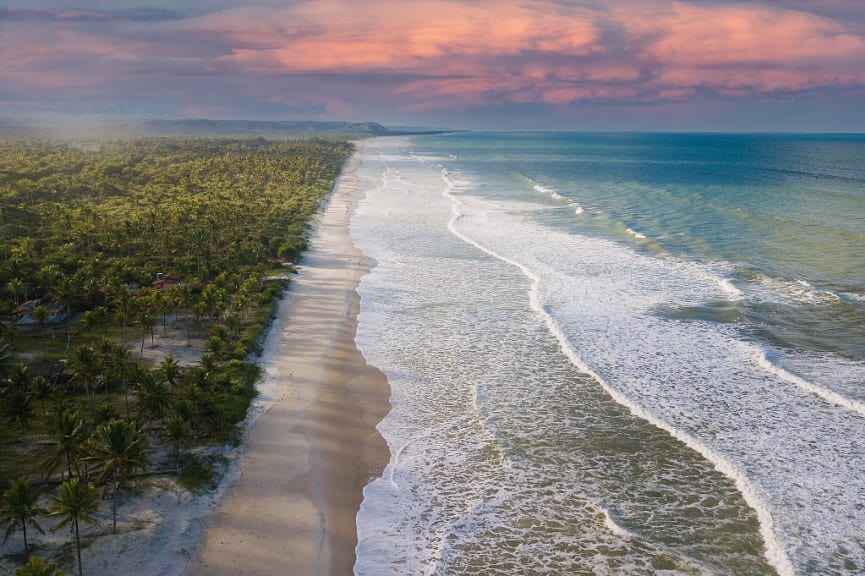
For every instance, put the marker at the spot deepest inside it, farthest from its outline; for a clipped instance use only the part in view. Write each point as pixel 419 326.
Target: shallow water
pixel 616 354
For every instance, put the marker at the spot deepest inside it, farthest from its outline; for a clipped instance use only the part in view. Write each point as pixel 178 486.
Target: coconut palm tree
pixel 105 349
pixel 159 302
pixel 75 503
pixel 16 406
pixel 170 370
pixel 154 397
pixel 70 434
pixel 147 321
pixel 16 402
pixel 6 354
pixel 48 276
pixel 118 448
pixel 177 432
pixel 20 506
pixel 42 390
pixel 183 298
pixel 40 314
pixel 115 359
pixel 98 316
pixel 208 364
pixel 16 286
pixel 64 293
pixel 234 325
pixel 90 288
pixel 84 366
pixel 122 297
pixel 39 567
pixel 18 377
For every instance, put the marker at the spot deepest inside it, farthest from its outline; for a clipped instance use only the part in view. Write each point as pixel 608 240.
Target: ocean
pixel 615 353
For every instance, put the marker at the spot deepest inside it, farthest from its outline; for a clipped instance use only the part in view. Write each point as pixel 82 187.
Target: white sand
pixel 288 500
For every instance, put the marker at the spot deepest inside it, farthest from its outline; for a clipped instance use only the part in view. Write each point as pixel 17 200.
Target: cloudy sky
pixel 478 64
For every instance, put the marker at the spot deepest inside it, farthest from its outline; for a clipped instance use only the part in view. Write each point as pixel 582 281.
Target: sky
pixel 723 65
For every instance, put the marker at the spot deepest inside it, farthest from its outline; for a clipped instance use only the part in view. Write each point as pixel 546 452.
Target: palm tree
pixel 19 508
pixel 42 390
pixel 147 322
pixel 64 293
pixel 118 448
pixel 216 346
pixel 75 503
pixel 122 298
pixel 159 301
pixel 70 434
pixel 16 405
pixel 208 364
pixel 16 286
pixel 154 397
pixel 48 276
pixel 84 366
pixel 6 354
pixel 176 431
pixel 115 359
pixel 212 298
pixel 105 349
pixel 170 370
pixel 18 377
pixel 96 316
pixel 183 298
pixel 90 288
pixel 234 325
pixel 39 567
pixel 40 314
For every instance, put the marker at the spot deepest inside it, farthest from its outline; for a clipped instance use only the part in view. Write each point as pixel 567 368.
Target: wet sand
pixel 309 456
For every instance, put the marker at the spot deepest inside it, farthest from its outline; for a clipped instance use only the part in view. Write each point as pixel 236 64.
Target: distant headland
pixel 205 127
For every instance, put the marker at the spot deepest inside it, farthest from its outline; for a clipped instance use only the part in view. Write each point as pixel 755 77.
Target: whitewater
pixel 617 363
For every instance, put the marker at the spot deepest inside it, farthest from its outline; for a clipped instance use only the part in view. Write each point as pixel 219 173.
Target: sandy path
pixel 308 458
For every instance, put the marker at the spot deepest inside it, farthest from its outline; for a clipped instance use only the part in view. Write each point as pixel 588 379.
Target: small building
pixel 56 313
pixel 165 281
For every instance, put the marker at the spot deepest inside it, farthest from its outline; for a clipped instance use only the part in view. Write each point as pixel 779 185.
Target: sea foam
pixel 605 331
pixel 459 479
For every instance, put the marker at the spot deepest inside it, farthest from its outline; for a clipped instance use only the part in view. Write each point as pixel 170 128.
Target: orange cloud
pixel 428 54
pixel 408 35
pixel 39 61
pixel 748 35
pixel 540 50
pixel 744 49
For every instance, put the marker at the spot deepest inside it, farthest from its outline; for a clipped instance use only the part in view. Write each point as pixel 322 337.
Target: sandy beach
pixel 289 496
pixel 307 459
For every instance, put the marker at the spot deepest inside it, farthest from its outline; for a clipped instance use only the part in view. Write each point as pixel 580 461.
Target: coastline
pixel 307 458
pixel 289 494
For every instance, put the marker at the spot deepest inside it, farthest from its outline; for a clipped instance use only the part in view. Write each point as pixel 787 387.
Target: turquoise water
pixel 616 353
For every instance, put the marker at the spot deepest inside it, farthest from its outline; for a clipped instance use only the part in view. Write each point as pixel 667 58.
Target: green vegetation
pixel 103 246
pixel 39 567
pixel 200 473
pixel 75 503
pixel 20 508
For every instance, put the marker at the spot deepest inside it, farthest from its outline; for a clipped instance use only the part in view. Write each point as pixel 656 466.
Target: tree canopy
pixel 101 241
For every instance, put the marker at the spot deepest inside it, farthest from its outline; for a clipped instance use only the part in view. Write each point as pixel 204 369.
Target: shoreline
pixel 308 457
pixel 289 494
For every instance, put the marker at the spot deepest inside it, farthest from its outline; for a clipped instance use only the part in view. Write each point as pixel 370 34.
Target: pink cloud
pixel 542 51
pixel 748 34
pixel 744 49
pixel 36 58
pixel 431 54
pixel 414 36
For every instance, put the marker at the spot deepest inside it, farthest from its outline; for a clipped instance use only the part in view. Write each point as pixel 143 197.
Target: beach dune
pixel 293 509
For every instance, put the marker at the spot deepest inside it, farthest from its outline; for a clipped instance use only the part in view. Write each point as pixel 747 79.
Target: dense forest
pixel 104 243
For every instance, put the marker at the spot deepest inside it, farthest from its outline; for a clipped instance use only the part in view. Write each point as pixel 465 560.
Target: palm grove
pixel 102 243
